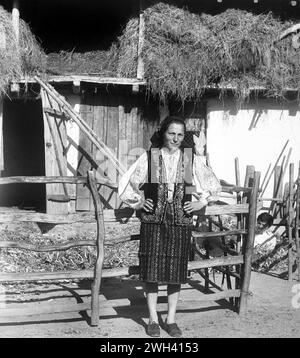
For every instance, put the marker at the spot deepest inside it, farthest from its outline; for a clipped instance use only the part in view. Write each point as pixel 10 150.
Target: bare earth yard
pixel 124 314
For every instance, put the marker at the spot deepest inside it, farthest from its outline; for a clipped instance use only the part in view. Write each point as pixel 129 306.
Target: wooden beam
pixel 140 72
pixel 218 233
pixel 45 248
pixel 54 179
pixel 246 269
pixel 16 19
pixel 55 112
pixel 95 287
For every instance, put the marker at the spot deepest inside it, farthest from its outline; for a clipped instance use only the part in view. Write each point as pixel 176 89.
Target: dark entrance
pixel 24 155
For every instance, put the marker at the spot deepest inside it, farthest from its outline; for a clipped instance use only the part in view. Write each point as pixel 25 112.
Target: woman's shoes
pixel 173 330
pixel 153 329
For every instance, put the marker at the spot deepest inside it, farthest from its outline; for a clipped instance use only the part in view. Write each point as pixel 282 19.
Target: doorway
pixel 23 153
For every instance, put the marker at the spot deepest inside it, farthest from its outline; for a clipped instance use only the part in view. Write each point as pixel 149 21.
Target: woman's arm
pixel 131 181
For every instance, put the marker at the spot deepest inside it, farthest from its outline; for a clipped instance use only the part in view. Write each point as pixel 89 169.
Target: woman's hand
pixel 146 205
pixel 191 206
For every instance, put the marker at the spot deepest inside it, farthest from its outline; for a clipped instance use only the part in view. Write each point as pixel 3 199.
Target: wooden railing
pixel 119 217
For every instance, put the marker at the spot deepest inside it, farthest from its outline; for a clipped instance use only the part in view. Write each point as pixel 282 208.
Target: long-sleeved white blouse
pixel 205 181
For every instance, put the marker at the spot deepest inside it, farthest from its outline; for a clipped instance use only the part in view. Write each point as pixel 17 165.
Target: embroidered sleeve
pixel 206 182
pixel 130 183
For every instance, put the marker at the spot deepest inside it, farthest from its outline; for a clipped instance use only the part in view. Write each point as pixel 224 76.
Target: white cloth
pixel 266 239
pixel 137 174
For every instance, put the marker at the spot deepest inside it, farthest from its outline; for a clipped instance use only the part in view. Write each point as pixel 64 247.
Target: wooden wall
pixel 124 122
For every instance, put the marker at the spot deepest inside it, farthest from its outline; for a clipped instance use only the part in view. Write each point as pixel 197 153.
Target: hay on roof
pixel 184 53
pixel 21 60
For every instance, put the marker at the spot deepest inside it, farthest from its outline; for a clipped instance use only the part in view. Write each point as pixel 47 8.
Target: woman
pixel 161 184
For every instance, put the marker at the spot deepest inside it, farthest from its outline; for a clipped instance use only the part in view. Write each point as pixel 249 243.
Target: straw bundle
pixel 184 53
pixel 17 61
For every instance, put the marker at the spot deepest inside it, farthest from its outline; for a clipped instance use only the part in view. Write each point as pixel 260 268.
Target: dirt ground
pixel 273 310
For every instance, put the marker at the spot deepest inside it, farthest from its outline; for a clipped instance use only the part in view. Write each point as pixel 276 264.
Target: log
pixel 16 19
pixel 118 215
pixel 249 243
pixel 53 180
pixel 95 288
pixel 45 248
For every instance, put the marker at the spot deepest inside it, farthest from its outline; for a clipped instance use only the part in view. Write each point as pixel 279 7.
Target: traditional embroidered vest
pixel 157 189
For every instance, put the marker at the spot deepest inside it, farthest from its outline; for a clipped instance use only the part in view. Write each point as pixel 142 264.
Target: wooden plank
pixel 55 142
pixel 114 272
pixel 23 313
pixel 218 261
pixel 109 215
pixel 54 179
pixel 218 233
pixel 112 142
pixel 84 200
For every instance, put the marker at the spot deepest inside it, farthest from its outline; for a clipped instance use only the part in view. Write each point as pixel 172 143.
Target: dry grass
pixel 18 61
pixel 183 52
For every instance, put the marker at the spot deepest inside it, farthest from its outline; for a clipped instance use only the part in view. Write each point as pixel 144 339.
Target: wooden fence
pixel 242 260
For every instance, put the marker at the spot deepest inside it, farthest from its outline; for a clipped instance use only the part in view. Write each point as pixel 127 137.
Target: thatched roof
pixel 18 61
pixel 184 52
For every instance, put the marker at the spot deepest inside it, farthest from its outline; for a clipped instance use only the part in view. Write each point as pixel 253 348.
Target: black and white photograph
pixel 149 172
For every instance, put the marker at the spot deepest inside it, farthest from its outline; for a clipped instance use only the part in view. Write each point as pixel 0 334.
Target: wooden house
pixel 122 113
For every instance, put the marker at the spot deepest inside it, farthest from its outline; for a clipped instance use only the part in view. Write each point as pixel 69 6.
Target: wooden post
pixel 237 172
pixel 1 136
pixel 249 244
pixel 266 185
pixel 100 249
pixel 297 222
pixel 289 221
pixel 140 72
pixel 239 226
pixel 16 19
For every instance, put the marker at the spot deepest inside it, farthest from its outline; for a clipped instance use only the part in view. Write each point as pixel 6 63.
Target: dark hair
pixel 266 218
pixel 158 137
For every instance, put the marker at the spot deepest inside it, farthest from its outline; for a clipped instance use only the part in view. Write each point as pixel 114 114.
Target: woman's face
pixel 173 136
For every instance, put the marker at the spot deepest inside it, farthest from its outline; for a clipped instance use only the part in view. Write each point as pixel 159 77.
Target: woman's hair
pixel 265 218
pixel 158 137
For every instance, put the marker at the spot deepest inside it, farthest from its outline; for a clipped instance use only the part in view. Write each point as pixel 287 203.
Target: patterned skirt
pixel 164 251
